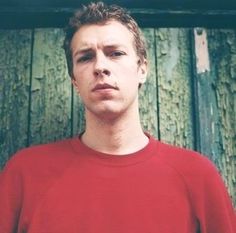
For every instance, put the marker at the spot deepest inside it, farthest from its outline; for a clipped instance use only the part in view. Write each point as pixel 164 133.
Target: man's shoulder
pixel 186 161
pixel 196 170
pixel 40 155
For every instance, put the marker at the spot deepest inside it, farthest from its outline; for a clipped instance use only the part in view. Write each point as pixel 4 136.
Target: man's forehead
pixel 111 33
pixel 106 44
pixel 106 36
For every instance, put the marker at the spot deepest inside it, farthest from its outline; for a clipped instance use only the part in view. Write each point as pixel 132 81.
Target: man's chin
pixel 107 113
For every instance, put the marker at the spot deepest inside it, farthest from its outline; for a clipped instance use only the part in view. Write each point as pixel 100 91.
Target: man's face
pixel 106 69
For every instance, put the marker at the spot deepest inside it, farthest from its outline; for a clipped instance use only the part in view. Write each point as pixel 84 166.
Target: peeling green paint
pixel 174 86
pixel 14 90
pixel 50 116
pixel 222 46
pixel 148 92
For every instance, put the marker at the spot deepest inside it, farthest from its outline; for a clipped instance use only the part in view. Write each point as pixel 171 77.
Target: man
pixel 113 178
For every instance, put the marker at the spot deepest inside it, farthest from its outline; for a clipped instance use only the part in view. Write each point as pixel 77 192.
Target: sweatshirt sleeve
pixel 211 201
pixel 10 198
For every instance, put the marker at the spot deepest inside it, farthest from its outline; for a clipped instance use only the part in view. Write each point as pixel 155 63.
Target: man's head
pixel 99 13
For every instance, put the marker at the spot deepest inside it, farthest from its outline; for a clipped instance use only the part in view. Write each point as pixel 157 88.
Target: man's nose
pixel 101 66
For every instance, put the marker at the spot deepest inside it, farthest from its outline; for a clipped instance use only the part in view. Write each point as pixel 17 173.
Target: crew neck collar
pixel 141 155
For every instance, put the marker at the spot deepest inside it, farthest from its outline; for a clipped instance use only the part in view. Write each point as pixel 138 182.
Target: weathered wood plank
pixel 208 115
pixel 148 92
pixel 217 104
pixel 15 57
pixel 50 90
pixel 174 86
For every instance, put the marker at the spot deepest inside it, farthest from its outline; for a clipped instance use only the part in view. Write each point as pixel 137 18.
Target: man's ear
pixel 143 69
pixel 75 84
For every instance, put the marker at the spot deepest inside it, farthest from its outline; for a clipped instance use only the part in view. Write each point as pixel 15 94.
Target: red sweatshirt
pixel 66 187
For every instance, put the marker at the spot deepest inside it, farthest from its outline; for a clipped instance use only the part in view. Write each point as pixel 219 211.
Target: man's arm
pixel 10 199
pixel 211 201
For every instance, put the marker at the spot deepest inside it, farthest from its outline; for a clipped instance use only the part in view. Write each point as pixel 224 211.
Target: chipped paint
pixel 14 91
pixel 217 108
pixel 201 50
pixel 174 77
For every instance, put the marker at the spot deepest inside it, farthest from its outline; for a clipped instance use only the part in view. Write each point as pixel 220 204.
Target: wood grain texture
pixel 50 90
pixel 217 105
pixel 148 92
pixel 174 86
pixel 15 57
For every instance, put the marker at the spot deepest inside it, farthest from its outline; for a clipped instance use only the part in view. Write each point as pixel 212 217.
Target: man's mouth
pixel 104 86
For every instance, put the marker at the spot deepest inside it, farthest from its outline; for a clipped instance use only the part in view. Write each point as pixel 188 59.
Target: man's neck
pixel 119 137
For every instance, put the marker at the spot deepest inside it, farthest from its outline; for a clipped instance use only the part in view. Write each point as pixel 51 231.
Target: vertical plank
pixel 209 135
pixel 51 89
pixel 174 86
pixel 148 92
pixel 217 104
pixel 15 58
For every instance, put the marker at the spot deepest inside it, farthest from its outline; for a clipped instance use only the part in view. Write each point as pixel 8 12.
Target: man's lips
pixel 104 86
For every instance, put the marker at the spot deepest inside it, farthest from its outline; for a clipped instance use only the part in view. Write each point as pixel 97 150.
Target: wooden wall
pixel 188 100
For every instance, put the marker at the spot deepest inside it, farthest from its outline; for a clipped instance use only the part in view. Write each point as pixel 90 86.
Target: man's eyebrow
pixel 114 46
pixel 82 51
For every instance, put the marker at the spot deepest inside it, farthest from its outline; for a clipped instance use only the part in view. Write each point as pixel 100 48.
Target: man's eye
pixel 84 58
pixel 116 54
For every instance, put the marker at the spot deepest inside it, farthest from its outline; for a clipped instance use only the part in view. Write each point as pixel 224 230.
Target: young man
pixel 113 178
